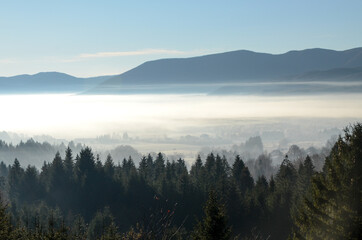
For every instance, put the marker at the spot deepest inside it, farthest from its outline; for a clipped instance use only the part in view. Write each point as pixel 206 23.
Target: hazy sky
pixel 88 38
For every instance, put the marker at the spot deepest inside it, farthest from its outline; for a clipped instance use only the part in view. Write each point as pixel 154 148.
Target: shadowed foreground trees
pixel 332 209
pixel 82 198
pixel 214 224
pixel 5 223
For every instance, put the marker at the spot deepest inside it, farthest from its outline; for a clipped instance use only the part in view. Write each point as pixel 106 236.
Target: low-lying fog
pixel 179 124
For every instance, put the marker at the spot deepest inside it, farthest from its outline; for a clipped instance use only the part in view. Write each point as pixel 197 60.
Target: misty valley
pixel 176 166
pixel 79 195
pixel 233 145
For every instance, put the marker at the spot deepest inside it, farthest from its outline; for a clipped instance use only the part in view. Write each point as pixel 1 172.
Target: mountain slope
pixel 48 82
pixel 335 74
pixel 237 66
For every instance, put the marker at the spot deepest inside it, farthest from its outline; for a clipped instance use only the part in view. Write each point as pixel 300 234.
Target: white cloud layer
pixel 6 61
pixel 129 53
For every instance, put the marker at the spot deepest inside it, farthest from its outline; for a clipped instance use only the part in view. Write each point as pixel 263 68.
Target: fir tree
pixel 68 162
pixel 109 167
pixel 5 223
pixel 333 208
pixel 159 166
pixel 214 225
pixel 15 176
pixel 283 199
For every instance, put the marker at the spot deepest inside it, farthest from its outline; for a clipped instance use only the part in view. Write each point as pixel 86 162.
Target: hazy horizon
pixel 72 116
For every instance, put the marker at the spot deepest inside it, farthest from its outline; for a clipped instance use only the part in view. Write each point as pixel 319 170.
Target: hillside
pixel 335 74
pixel 48 82
pixel 233 67
pixel 223 73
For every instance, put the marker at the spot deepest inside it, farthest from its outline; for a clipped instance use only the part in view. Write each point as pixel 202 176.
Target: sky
pixel 92 38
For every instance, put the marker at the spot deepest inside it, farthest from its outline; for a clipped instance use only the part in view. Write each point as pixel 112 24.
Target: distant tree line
pixel 81 197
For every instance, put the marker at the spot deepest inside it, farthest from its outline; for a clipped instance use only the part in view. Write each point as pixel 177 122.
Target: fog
pixel 73 116
pixel 179 125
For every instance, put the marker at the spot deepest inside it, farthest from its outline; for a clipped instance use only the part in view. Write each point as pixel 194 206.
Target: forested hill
pixel 79 197
pixel 236 66
pixel 35 153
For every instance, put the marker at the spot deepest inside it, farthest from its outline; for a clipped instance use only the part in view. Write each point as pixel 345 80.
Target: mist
pixel 73 116
pixel 177 125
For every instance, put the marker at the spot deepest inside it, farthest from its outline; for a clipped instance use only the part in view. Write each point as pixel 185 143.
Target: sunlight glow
pixel 86 116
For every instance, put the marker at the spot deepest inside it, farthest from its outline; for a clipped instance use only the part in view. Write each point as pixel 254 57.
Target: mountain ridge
pixel 247 64
pixel 232 67
pixel 48 82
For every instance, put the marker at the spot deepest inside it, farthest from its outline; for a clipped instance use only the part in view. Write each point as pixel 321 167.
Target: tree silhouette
pixel 214 224
pixel 333 210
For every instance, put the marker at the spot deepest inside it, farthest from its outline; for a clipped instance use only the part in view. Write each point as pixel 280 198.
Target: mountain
pixel 230 67
pixel 223 73
pixel 335 74
pixel 337 80
pixel 48 82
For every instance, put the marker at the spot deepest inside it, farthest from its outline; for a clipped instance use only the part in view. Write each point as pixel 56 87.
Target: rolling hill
pixel 236 67
pixel 222 73
pixel 48 82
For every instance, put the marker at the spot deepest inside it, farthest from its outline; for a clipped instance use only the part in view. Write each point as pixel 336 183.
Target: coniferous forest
pixel 84 197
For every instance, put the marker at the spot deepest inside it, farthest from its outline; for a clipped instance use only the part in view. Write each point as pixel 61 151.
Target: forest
pixel 82 196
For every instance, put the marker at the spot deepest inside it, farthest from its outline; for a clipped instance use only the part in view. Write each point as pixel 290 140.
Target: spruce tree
pixel 333 208
pixel 30 189
pixel 142 168
pixel 109 167
pixel 214 225
pixel 56 180
pixel 196 168
pixel 197 173
pixel 16 174
pixel 5 224
pixel 68 163
pixel 282 200
pixel 159 166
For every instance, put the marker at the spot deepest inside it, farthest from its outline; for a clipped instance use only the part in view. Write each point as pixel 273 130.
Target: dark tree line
pixel 81 197
pixel 33 152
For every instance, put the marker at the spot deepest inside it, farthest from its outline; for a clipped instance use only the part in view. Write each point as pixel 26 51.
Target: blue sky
pixel 90 38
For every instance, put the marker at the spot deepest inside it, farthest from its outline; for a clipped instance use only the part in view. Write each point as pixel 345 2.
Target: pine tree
pixel 333 208
pixel 159 166
pixel 283 199
pixel 210 172
pixel 109 167
pixel 100 223
pixel 241 175
pixel 85 164
pixel 305 173
pixel 30 189
pixel 142 168
pixel 150 168
pixel 235 205
pixel 68 163
pixel 68 179
pixel 214 225
pixel 16 174
pixel 86 182
pixel 246 181
pixel 196 168
pixel 5 224
pixel 56 180
pixel 111 233
pixel 197 174
pixel 79 228
pixel 4 171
